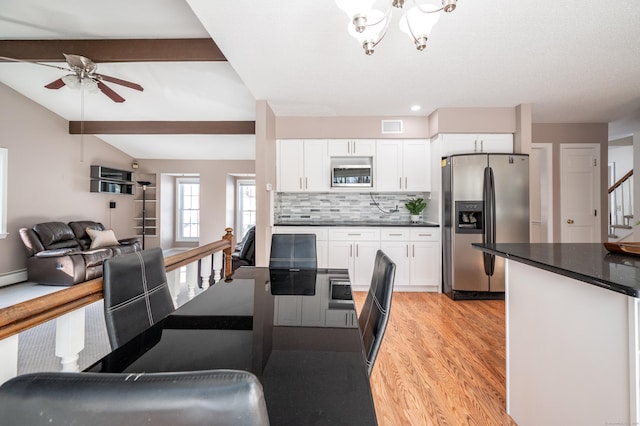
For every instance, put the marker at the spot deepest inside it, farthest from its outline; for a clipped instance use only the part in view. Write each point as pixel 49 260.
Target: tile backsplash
pixel 353 206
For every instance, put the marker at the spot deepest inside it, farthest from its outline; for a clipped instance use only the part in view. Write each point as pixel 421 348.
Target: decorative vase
pixel 415 218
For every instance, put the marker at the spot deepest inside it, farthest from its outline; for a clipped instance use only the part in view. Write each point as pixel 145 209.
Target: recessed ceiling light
pixel 415 108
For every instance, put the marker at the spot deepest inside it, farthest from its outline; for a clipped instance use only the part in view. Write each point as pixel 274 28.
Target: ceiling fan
pixel 83 71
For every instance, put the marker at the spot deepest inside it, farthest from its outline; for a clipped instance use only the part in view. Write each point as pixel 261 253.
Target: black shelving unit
pixel 113 181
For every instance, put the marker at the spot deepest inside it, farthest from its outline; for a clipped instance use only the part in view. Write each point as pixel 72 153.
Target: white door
pixel 580 193
pixel 398 252
pixel 340 147
pixel 316 166
pixel 341 256
pixel 458 143
pixel 364 148
pixel 290 165
pixel 389 166
pixel 417 172
pixel 364 259
pixel 495 142
pixel 425 263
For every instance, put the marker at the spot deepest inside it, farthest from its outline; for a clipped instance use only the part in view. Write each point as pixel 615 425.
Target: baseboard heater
pixel 13 277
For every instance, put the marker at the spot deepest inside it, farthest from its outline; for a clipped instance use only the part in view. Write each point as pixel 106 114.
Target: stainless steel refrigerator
pixel 485 200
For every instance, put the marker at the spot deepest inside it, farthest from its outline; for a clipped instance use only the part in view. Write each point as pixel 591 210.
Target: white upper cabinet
pixel 466 143
pixel 352 147
pixel 403 165
pixel 302 165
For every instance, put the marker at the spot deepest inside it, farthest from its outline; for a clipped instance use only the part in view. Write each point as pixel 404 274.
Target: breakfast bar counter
pixel 573 334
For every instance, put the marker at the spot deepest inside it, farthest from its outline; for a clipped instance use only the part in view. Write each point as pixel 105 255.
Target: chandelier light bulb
pixel 369 26
pixel 417 24
pixel 449 5
pixel 372 32
pixel 360 22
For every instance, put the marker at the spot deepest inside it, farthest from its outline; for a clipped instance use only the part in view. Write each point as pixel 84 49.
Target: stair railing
pixel 621 204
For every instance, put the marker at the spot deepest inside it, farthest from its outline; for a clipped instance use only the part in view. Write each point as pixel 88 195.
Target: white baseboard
pixel 13 277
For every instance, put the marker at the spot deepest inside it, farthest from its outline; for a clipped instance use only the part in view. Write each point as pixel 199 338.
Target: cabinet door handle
pixel 357 250
pixel 395 235
pixel 306 183
pixel 406 182
pixel 301 183
pixel 353 235
pixel 481 145
pixel 407 250
pixel 348 147
pixel 354 146
pixel 424 235
pixel 400 182
pixel 350 250
pixel 475 146
pixel 413 250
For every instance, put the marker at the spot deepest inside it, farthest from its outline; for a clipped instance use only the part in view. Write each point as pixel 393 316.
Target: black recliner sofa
pixel 60 254
pixel 245 251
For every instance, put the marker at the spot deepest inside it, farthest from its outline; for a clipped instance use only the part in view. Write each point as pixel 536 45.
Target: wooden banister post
pixel 227 251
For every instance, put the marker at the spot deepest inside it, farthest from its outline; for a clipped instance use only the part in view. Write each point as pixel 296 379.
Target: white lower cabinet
pixel 340 318
pixel 354 249
pixel 416 253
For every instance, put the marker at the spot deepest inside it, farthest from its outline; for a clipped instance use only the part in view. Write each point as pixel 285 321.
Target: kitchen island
pixel 573 340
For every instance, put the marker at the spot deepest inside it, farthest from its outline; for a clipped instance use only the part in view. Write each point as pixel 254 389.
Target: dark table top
pixel 588 262
pixel 310 374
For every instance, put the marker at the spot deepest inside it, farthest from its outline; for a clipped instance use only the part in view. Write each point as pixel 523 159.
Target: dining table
pixel 297 331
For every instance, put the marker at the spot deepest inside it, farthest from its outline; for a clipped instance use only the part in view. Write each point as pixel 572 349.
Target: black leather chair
pixel 245 253
pixel 215 397
pixel 293 251
pixel 375 311
pixel 136 294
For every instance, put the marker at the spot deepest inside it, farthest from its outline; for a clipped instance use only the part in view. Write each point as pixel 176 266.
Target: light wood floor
pixel 441 362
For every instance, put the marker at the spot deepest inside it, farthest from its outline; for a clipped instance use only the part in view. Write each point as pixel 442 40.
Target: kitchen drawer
pixel 425 234
pixel 354 234
pixel 395 234
pixel 322 234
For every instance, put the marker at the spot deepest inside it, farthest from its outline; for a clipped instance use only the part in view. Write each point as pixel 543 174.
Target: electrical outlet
pixel 112 204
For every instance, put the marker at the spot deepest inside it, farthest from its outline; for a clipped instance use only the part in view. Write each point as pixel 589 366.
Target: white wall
pixel 49 175
pixel 622 156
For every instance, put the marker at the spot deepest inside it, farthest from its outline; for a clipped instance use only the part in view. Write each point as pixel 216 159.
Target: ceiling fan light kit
pixel 83 75
pixel 369 26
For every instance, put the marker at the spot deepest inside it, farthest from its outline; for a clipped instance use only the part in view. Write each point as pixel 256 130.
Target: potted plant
pixel 415 207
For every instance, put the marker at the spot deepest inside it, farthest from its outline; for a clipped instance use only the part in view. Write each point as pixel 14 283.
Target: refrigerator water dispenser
pixel 469 217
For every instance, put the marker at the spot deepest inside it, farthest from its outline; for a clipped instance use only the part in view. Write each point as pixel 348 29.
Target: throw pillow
pixel 101 239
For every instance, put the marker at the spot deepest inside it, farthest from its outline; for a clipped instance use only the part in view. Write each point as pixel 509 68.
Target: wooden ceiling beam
pixel 162 127
pixel 114 50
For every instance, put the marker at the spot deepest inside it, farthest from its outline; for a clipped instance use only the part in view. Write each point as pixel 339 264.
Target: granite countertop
pixel 588 262
pixel 361 223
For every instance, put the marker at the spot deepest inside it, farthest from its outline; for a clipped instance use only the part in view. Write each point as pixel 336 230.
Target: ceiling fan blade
pixel 120 82
pixel 109 92
pixel 80 63
pixel 4 58
pixel 56 84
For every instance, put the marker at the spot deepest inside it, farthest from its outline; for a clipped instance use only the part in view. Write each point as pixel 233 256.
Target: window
pixel 246 206
pixel 188 209
pixel 4 166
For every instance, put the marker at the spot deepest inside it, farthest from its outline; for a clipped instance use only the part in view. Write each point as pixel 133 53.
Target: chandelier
pixel 369 26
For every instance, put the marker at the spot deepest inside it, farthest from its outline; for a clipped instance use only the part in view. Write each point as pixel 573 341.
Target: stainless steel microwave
pixel 352 175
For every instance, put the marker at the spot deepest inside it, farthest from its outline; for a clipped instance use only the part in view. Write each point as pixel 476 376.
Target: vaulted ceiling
pixel 575 62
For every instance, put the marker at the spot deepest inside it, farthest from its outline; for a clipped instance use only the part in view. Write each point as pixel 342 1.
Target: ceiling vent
pixel 391 126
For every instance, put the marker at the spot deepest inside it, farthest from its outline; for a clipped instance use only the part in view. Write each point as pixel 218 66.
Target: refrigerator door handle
pixel 489 235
